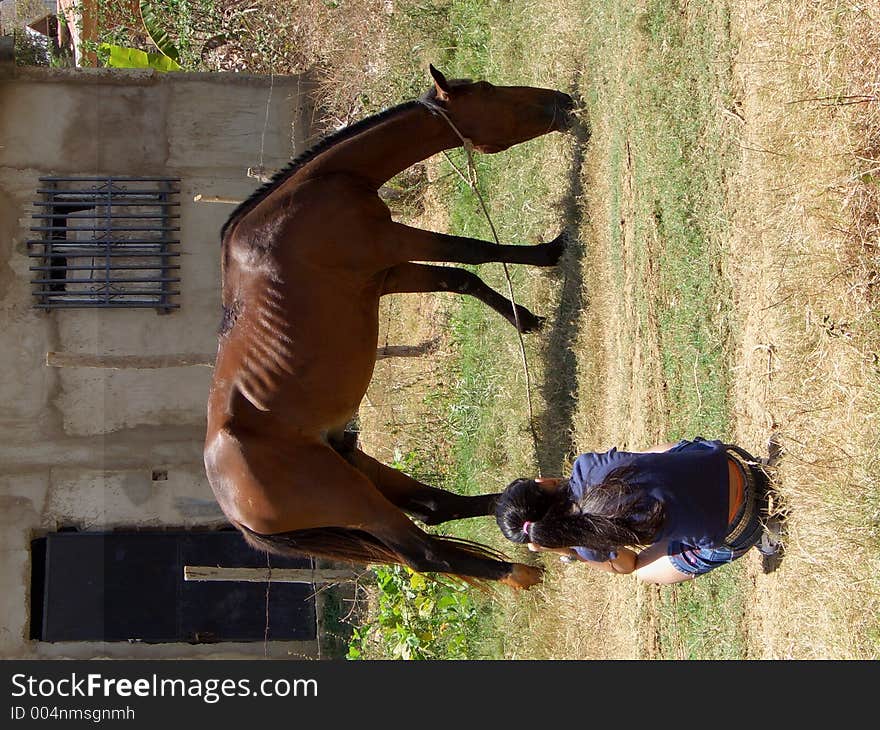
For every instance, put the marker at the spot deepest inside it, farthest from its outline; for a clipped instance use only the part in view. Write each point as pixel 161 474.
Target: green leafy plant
pixel 168 57
pixel 124 57
pixel 152 21
pixel 418 617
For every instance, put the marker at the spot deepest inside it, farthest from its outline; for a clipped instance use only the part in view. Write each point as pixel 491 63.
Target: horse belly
pixel 302 337
pixel 330 352
pixel 338 360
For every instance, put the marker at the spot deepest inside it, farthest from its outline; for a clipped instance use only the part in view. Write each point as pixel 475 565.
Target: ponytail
pixel 611 515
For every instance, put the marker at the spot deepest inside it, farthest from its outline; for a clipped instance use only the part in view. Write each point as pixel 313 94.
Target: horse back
pixel 331 222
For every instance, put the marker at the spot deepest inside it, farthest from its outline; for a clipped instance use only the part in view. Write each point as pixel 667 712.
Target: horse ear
pixel 440 84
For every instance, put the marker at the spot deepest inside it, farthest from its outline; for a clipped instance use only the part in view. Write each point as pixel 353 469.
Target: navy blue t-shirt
pixel 691 480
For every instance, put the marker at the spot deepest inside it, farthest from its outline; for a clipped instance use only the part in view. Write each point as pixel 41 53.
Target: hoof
pixel 528 322
pixel 556 248
pixel 522 576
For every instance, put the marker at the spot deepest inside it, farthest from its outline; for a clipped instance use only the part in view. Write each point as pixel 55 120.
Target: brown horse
pixel 304 262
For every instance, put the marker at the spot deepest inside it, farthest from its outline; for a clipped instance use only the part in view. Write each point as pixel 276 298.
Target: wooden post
pixel 262 575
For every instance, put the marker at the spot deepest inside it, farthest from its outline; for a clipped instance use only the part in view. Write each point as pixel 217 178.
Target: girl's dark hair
pixel 611 515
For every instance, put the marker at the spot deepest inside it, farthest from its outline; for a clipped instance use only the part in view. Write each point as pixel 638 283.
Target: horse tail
pixel 352 546
pixel 332 543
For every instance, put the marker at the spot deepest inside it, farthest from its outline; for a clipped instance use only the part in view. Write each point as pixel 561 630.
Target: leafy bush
pixel 418 617
pixel 31 49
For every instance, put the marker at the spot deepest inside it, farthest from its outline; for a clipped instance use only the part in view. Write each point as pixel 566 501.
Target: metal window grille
pixel 105 242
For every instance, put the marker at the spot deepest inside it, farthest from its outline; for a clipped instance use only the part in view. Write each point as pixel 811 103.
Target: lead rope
pixel 266 120
pixel 268 586
pixel 471 181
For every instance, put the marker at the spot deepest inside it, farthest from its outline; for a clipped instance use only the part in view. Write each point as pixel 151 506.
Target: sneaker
pixel 774 450
pixel 771 540
pixel 771 547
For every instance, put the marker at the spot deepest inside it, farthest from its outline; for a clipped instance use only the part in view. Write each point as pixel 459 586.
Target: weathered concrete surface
pixel 81 446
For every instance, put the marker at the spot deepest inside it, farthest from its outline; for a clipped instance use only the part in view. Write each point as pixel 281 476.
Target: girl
pixel 667 514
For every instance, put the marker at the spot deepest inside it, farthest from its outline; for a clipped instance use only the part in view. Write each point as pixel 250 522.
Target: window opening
pixel 106 242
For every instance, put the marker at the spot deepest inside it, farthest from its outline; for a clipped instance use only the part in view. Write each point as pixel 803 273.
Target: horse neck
pixel 385 149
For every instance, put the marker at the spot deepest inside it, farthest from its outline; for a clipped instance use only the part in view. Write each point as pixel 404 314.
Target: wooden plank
pixel 261 173
pixel 199 198
pixel 147 362
pixel 261 575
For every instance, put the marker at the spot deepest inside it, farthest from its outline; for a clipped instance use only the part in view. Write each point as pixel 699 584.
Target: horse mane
pixel 310 154
pixel 322 145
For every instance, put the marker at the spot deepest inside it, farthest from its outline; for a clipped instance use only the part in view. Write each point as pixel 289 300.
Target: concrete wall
pixel 79 446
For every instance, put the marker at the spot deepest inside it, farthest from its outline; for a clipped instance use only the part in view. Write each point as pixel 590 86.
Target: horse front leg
pixel 430 505
pixel 410 278
pixel 414 244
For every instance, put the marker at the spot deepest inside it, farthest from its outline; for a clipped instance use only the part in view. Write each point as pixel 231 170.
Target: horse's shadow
pixel 559 387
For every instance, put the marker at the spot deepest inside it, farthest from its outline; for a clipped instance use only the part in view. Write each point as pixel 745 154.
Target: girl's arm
pixel 658 448
pixel 624 563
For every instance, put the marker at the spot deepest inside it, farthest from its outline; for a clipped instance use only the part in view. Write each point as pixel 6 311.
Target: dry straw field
pixel 803 258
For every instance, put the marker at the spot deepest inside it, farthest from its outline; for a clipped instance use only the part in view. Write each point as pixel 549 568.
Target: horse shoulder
pixel 333 200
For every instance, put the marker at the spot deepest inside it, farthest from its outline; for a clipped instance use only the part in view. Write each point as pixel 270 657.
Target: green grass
pixel 669 99
pixel 687 169
pixel 665 131
pixel 659 80
pixel 700 619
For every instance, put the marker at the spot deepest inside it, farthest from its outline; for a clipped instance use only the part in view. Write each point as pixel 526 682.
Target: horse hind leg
pixel 430 505
pixel 331 493
pixel 414 244
pixel 426 553
pixel 409 278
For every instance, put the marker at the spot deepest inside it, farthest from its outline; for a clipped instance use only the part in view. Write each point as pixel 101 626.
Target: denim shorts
pixel 744 531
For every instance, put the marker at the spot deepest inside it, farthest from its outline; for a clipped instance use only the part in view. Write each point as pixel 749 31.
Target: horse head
pixel 494 118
